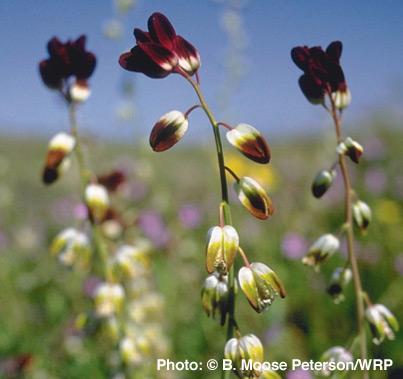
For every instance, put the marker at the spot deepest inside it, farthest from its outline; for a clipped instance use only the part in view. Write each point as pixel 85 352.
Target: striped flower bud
pixel 250 143
pixel 260 285
pixel 222 246
pixel 321 250
pixel 350 148
pixel 244 349
pixel 254 198
pixel 79 91
pixel 215 296
pixel 362 215
pixel 322 182
pixel 169 129
pixel 97 200
pixel 342 99
pixel 381 322
pixel 335 354
pixel 338 281
pixel 57 157
pixel 109 299
pixel 71 247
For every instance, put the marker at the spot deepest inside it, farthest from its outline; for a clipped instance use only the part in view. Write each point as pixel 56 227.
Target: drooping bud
pixel 338 281
pixel 381 322
pixel 362 215
pixel 350 148
pixel 169 129
pixel 335 354
pixel 321 250
pixel 342 99
pixel 254 198
pixel 322 182
pixel 109 299
pixel 97 200
pixel 222 246
pixel 261 285
pixel 215 297
pixel 244 349
pixel 250 143
pixel 57 156
pixel 71 247
pixel 79 91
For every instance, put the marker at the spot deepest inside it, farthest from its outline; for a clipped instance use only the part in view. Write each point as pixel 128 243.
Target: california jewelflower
pixel 126 304
pixel 158 53
pixel 323 83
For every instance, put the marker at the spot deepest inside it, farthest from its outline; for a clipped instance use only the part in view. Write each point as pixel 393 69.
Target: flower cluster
pixel 67 60
pixel 126 304
pixel 159 52
pixel 322 73
pixel 323 82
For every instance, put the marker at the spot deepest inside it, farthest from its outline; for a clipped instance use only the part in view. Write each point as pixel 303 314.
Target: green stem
pixel 350 242
pixel 84 174
pixel 225 206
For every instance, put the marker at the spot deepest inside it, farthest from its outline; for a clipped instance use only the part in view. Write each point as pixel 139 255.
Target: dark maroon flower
pixel 66 60
pixel 160 51
pixel 322 71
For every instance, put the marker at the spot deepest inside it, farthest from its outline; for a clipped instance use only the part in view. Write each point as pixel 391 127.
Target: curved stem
pixel 225 207
pixel 350 242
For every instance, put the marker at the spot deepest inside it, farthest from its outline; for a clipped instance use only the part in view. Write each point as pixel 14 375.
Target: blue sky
pixel 268 96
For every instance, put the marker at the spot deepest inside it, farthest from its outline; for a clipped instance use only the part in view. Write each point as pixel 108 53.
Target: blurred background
pixel 247 76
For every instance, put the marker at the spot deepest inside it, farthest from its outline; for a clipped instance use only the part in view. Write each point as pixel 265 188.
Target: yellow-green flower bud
pixel 381 322
pixel 250 143
pixel 109 299
pixel 362 215
pixel 321 250
pixel 338 281
pixel 215 296
pixel 244 349
pixel 131 261
pixel 71 247
pixel 221 249
pixel 169 129
pixel 261 285
pixel 322 182
pixel 254 198
pixel 57 157
pixel 97 200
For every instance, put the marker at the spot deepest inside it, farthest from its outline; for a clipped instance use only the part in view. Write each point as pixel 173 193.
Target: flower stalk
pixel 224 205
pixel 350 240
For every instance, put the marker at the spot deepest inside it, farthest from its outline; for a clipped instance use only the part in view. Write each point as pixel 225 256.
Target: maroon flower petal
pixel 189 58
pixel 138 61
pixel 310 88
pixel 334 50
pixel 142 36
pixel 161 30
pixel 51 73
pixel 163 57
pixel 80 42
pixel 300 55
